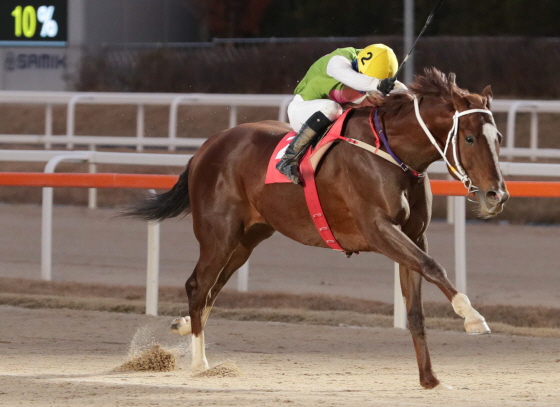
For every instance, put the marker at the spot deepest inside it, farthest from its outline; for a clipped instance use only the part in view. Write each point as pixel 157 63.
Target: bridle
pixel 458 170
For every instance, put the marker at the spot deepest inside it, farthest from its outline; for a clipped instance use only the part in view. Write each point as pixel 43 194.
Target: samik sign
pixel 33 22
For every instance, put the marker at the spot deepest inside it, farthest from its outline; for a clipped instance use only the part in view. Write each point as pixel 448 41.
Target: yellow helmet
pixel 378 61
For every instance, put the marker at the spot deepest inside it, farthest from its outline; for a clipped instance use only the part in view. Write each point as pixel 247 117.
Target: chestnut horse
pixel 371 204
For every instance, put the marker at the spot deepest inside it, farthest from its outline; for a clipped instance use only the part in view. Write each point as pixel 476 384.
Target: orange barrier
pixel 537 189
pixel 103 180
pixel 542 189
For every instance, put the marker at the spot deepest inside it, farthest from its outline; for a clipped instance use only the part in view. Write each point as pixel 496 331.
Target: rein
pixel 380 137
pixel 458 170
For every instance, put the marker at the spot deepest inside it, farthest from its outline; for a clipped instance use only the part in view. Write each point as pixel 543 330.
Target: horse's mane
pixel 433 83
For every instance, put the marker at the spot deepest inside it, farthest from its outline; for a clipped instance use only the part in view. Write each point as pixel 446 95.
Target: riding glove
pixel 386 85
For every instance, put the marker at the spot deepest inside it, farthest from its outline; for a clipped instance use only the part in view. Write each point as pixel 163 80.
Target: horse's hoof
pixel 181 326
pixel 443 387
pixel 477 327
pixel 200 367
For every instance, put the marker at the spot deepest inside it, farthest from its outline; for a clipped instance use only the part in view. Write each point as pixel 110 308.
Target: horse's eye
pixel 470 139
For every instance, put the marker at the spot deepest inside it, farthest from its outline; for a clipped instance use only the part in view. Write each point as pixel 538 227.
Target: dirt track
pixel 65 358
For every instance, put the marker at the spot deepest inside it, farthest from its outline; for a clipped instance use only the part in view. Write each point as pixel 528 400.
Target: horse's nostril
pixel 497 197
pixel 492 196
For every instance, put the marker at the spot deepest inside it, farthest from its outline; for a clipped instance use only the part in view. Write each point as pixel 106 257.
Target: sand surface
pixel 66 358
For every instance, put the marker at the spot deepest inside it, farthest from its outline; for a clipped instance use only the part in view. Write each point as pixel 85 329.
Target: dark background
pixel 312 18
pixel 266 46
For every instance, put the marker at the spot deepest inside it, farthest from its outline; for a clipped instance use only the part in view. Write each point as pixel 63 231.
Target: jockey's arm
pixel 340 68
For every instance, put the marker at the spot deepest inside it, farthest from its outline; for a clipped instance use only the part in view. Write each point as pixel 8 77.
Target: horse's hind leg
pixel 199 287
pixel 251 239
pixel 206 282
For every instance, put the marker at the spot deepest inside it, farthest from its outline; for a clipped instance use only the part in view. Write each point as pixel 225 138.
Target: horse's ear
pixel 487 93
pixel 459 102
pixel 452 78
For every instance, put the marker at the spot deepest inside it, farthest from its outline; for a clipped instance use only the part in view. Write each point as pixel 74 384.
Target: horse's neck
pixel 409 141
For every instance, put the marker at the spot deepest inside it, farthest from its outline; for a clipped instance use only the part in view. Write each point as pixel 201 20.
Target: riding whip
pixel 428 21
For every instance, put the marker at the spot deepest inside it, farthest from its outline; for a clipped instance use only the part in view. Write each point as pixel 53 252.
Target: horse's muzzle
pixel 492 202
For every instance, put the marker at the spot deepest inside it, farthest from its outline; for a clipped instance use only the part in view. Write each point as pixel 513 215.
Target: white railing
pixel 526 106
pixel 511 107
pixel 52 158
pixel 174 101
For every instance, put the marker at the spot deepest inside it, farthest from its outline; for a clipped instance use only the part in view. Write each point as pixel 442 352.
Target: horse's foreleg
pixel 474 322
pixel 411 286
pixel 400 248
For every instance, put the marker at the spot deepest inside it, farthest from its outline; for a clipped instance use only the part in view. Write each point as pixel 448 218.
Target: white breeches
pixel 300 110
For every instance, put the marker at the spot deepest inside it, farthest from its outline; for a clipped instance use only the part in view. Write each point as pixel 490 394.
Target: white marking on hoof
pixel 181 326
pixel 443 387
pixel 474 322
pixel 477 327
pixel 199 362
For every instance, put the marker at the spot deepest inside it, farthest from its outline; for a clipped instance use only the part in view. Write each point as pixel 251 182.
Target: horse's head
pixel 476 149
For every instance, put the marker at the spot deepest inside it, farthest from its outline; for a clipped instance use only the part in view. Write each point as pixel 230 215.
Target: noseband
pixel 458 170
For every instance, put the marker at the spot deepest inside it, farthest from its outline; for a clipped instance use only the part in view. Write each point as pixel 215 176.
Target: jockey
pixel 346 75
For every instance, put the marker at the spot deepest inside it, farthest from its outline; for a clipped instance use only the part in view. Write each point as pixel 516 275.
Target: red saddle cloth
pixel 307 167
pixel 273 176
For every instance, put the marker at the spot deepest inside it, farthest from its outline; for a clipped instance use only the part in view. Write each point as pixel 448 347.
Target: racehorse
pixel 371 204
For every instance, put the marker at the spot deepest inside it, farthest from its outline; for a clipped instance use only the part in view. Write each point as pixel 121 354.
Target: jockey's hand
pixel 386 85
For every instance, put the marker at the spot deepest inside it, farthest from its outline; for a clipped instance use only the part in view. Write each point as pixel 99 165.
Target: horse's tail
pixel 162 206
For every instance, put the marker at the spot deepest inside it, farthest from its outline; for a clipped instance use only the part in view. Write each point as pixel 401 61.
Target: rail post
pixel 48 125
pixel 152 270
pixel 460 244
pixel 173 113
pixel 71 116
pixel 47 213
pixel 140 120
pixel 511 117
pixel 232 116
pixel 283 109
pixel 399 309
pixel 243 278
pixel 534 134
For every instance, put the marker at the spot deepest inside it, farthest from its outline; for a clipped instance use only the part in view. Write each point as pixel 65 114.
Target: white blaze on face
pixel 491 133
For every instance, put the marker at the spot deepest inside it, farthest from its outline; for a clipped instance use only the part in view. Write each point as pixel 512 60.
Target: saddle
pixel 307 167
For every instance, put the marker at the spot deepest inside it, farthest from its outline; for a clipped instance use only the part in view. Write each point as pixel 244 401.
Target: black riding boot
pixel 288 165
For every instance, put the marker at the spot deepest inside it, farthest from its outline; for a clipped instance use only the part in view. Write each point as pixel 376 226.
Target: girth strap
pixel 307 170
